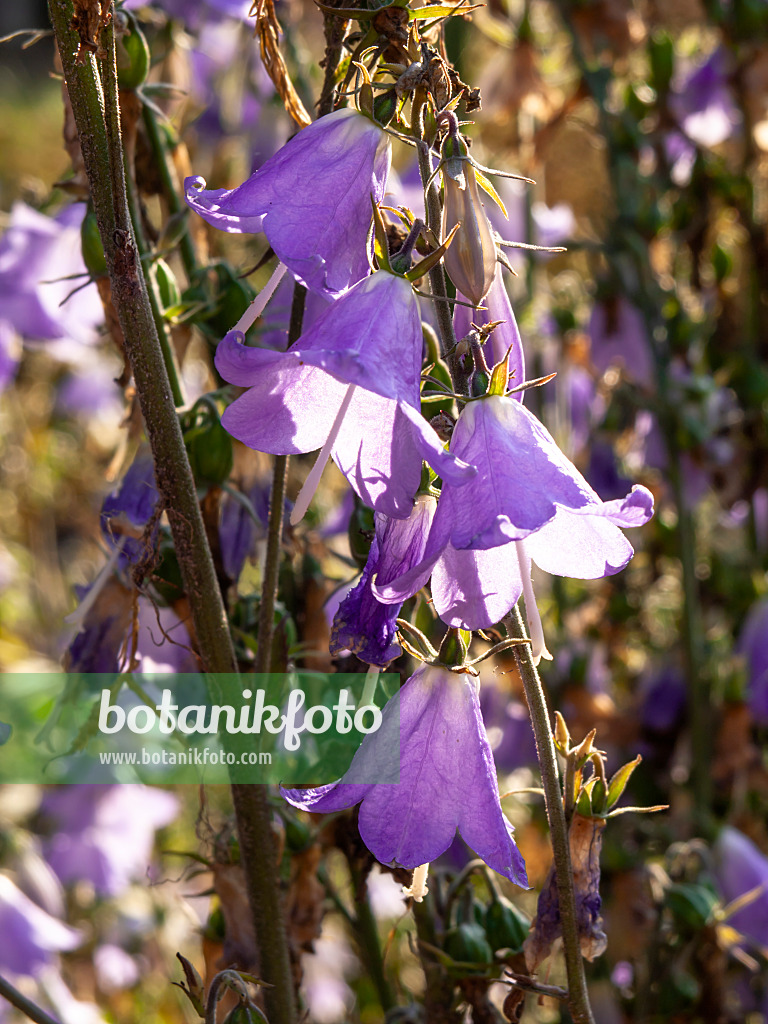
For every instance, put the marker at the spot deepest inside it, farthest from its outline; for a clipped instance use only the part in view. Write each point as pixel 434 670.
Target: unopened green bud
pixel 471 259
pixel 93 250
pixel 166 284
pixel 505 926
pixel 133 56
pixel 467 943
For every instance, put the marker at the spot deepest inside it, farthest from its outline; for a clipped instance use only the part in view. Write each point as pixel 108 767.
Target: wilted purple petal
pixel 362 624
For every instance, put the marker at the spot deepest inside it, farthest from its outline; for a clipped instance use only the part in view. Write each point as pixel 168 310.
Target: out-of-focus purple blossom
pixel 105 833
pixel 584 405
pixel 115 969
pixel 129 508
pixel 509 729
pixel 602 471
pixel 239 531
pixel 504 338
pixel 663 700
pixel 312 200
pixel 36 253
pixel 10 352
pixel 329 998
pixel 91 392
pixel 447 779
pixel 619 339
pixel 385 894
pixel 705 110
pixel 31 936
pixel 351 381
pixel 739 867
pixel 362 624
pixel 703 103
pixel 525 488
pixel 195 13
pixel 753 644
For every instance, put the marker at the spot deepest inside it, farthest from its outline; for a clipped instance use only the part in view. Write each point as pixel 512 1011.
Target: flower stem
pixel 103 159
pixel 434 217
pixel 171 185
pixel 27 1007
pixel 578 998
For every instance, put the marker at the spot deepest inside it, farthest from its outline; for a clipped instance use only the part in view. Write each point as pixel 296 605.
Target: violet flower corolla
pixel 350 385
pixel 504 341
pixel 105 833
pixel 312 199
pixel 432 736
pixel 739 868
pixel 753 644
pixel 704 107
pixel 128 510
pixel 31 936
pixel 38 295
pixel 363 625
pixel 527 491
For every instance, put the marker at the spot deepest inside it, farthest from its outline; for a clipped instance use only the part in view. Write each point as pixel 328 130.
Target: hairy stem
pixel 27 1007
pixel 103 158
pixel 578 999
pixel 434 218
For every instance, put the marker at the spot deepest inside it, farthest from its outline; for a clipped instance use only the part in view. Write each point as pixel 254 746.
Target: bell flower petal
pixel 504 338
pixel 362 624
pixel 447 780
pixel 312 199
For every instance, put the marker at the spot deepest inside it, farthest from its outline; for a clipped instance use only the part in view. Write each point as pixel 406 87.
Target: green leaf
pixel 619 781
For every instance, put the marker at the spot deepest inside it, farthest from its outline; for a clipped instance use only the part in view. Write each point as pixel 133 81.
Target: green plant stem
pixel 368 936
pixel 171 185
pixel 578 998
pixel 437 282
pixel 103 159
pixel 27 1007
pixel 123 184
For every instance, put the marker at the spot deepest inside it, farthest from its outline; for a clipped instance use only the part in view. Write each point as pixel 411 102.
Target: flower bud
pixel 471 258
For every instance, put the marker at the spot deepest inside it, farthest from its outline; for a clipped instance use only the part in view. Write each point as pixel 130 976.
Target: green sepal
pixel 454 647
pixel 365 93
pixel 584 802
pixel 619 781
pixel 167 286
pixel 380 243
pixel 488 188
pixel 499 383
pixel 693 905
pixel 424 266
pixel 440 11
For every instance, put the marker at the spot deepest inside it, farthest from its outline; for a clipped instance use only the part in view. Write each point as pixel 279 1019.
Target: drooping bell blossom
pixel 350 385
pixel 105 833
pixel 703 103
pixel 127 511
pixel 312 199
pixel 619 337
pixel 447 779
pixel 527 491
pixel 471 258
pixel 36 254
pixel 739 867
pixel 753 644
pixel 503 339
pixel 362 624
pixel 31 936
